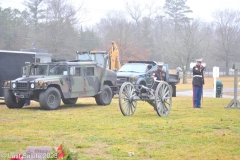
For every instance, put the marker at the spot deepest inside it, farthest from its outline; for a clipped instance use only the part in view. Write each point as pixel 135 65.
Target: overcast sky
pixel 98 8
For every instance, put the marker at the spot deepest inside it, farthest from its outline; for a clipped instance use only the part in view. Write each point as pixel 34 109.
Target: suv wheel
pixel 50 99
pixel 69 100
pixel 105 97
pixel 10 100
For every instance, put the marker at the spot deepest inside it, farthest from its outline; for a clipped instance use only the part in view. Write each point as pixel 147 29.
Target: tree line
pixel 166 33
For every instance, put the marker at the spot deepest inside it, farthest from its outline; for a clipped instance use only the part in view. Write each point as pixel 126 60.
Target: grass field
pixel 97 132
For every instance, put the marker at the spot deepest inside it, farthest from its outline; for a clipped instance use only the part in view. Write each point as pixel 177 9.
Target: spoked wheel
pixel 126 99
pixel 163 99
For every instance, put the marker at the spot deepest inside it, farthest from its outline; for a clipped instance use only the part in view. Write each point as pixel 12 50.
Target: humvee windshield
pixel 85 56
pixel 99 58
pixel 48 70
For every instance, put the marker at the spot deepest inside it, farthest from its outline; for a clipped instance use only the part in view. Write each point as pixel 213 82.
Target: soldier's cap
pixel 199 60
pixel 160 64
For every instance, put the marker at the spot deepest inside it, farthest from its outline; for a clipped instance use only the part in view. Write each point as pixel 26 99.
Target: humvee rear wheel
pixel 127 102
pixel 69 100
pixel 50 99
pixel 163 99
pixel 105 97
pixel 10 100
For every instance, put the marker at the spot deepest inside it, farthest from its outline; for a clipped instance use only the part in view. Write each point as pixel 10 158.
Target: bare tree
pixel 227 33
pixel 115 27
pixel 60 34
pixel 135 10
pixel 190 44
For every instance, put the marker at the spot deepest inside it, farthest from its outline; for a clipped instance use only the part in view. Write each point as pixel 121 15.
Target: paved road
pixel 208 92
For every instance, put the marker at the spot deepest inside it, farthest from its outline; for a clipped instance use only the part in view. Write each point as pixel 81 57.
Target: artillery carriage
pixel 160 99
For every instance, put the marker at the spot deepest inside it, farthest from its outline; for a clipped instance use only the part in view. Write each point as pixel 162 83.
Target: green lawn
pixel 96 132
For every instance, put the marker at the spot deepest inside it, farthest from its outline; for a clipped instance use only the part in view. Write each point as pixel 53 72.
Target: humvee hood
pixel 35 78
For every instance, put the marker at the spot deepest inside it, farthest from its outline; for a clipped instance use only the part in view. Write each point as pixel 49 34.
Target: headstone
pixel 37 153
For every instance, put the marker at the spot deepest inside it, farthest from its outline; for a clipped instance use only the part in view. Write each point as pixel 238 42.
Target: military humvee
pixel 49 83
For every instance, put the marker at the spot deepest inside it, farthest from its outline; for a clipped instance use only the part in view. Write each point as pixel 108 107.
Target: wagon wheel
pixel 126 102
pixel 163 99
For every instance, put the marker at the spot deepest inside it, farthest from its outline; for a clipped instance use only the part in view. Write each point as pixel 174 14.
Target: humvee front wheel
pixel 10 100
pixel 69 100
pixel 50 99
pixel 105 97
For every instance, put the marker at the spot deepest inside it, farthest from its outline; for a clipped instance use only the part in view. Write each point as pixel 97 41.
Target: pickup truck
pixel 137 73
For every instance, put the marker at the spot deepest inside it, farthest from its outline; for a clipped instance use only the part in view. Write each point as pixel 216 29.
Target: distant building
pixel 42 56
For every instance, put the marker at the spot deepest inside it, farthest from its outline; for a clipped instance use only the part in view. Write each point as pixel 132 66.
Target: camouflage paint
pixel 69 85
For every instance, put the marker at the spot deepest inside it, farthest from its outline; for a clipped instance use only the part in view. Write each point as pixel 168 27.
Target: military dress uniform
pixel 160 75
pixel 197 83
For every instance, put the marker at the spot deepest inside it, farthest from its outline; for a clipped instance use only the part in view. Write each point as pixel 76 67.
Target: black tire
pixel 144 84
pixel 105 97
pixel 10 100
pixel 69 100
pixel 50 99
pixel 97 100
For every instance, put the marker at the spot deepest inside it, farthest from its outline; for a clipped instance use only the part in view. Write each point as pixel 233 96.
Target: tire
pixel 97 100
pixel 10 100
pixel 69 100
pixel 105 97
pixel 50 99
pixel 143 90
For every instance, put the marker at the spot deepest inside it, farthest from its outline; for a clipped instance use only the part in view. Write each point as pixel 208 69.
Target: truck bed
pixel 173 76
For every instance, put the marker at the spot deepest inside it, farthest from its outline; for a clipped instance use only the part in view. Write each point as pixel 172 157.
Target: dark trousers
pixel 197 95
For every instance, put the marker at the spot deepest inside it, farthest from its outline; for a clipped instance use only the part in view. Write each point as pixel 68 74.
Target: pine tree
pixel 177 10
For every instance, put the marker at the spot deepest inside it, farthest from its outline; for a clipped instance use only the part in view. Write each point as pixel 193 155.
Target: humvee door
pixel 91 80
pixel 76 80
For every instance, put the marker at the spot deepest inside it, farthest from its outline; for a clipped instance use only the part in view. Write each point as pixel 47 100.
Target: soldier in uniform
pixel 197 83
pixel 160 74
